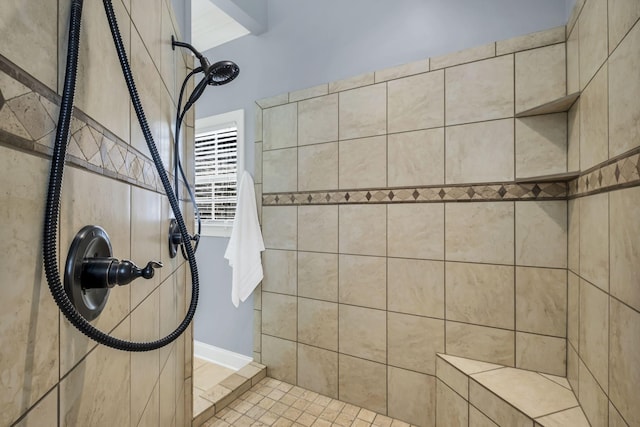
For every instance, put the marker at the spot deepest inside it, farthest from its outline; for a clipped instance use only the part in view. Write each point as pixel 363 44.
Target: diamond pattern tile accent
pixel 31 115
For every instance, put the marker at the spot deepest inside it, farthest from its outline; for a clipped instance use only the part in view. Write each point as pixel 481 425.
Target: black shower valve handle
pixel 108 272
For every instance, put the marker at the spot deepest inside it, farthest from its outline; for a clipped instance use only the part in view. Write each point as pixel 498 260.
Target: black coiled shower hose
pixel 55 186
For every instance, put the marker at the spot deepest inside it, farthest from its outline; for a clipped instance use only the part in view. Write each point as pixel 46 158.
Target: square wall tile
pixel 258 124
pixel 480 90
pixel 44 413
pixel 497 409
pixel 416 158
pixel 29 328
pixel 480 152
pixel 594 331
pixel 573 138
pixel 624 91
pixel 415 231
pixel 615 419
pixel 622 15
pixel 318 120
pixel 479 293
pixel 573 362
pixel 280 227
pixel 594 239
pixel 531 40
pixel 573 64
pixel 594 117
pixel 541 145
pixel 363 332
pixel 257 331
pixel 363 112
pixel 573 235
pixel 101 91
pixel 363 163
pixel 541 353
pixel 541 234
pixel 109 206
pixel 478 419
pixel 573 309
pixel 593 399
pixel 363 281
pixel 624 226
pixel 462 56
pixel 280 170
pixel 480 343
pixel 412 397
pixel 363 229
pixel 280 358
pixel 416 102
pixel 279 315
pixel 451 409
pixel 145 366
pixel 318 323
pixel 103 374
pixel 280 271
pixel 480 232
pixel 541 301
pixel 352 82
pixel 318 228
pixel 416 287
pixel 540 76
pixel 280 126
pixel 414 342
pixel 318 370
pixel 624 370
pixel 318 167
pixel 318 276
pixel 36 26
pixel 593 39
pixel 409 69
pixel 310 92
pixel 362 383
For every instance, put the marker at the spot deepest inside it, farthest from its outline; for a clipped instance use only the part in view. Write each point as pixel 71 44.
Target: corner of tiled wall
pixel 603 52
pixel 55 374
pixel 353 299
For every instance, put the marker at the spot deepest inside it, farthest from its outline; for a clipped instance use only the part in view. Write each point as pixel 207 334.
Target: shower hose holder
pixel 91 271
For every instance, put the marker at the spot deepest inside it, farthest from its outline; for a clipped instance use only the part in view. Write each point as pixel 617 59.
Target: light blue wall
pixel 182 11
pixel 217 321
pixel 312 42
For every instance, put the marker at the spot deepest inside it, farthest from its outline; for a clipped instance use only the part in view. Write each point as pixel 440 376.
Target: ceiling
pixel 211 27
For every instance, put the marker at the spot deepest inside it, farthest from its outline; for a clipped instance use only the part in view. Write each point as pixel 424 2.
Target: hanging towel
pixel 245 244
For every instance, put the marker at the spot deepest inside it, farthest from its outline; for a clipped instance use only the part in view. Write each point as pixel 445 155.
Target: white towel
pixel 245 244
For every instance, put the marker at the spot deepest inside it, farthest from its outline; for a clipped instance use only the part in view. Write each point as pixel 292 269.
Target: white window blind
pixel 216 171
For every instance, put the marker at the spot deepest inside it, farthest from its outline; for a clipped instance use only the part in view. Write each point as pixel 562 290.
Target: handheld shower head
pixel 222 72
pixel 218 74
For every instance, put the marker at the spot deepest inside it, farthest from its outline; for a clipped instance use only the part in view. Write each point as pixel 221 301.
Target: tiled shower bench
pixel 478 394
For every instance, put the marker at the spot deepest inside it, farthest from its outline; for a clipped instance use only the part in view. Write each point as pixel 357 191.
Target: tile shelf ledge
pixel 559 105
pixel 554 177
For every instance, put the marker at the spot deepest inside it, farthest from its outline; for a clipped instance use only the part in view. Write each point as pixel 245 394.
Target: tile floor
pixel 275 403
pixel 206 375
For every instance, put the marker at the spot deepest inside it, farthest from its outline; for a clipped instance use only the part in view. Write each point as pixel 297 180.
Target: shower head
pixel 223 72
pixel 218 74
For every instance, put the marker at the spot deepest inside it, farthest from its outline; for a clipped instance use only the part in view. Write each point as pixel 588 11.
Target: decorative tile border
pixel 616 173
pixel 28 114
pixel 427 194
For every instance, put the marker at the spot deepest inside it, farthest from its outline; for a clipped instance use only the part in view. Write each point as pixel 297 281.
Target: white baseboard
pixel 220 356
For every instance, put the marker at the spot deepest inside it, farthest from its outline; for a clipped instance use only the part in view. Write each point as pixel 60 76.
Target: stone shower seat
pixel 474 393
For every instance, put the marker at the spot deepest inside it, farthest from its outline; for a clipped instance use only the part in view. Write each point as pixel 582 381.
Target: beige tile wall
pixel 358 298
pixel 604 296
pixel 52 375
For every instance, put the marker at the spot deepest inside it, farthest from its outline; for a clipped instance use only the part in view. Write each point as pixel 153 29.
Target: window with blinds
pixel 216 171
